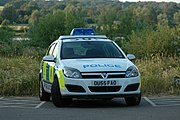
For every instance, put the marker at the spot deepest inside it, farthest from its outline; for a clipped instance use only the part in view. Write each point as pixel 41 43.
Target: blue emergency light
pixel 82 31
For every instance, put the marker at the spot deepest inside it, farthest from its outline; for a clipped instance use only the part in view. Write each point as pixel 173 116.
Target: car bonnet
pixel 92 65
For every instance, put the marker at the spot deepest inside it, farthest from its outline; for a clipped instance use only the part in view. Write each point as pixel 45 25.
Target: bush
pixel 163 41
pixel 6 35
pixel 6 43
pixel 19 76
pixel 157 75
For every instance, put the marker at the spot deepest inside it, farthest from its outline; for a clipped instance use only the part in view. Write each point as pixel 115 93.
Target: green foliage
pixel 34 17
pixel 73 21
pixel 127 23
pixel 177 19
pixel 8 46
pixel 5 22
pixel 19 11
pixel 19 76
pixel 105 13
pixel 50 27
pixel 157 75
pixel 73 18
pixel 163 41
pixel 9 13
pixel 6 35
pixel 106 21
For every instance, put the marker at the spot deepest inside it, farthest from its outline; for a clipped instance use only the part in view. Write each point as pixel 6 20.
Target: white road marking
pixel 20 100
pixel 169 105
pixel 166 102
pixel 6 103
pixel 39 105
pixel 149 101
pixel 15 107
pixel 19 103
pixel 166 99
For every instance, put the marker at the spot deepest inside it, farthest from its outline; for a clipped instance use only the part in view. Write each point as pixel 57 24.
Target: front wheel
pixel 133 101
pixel 43 95
pixel 56 95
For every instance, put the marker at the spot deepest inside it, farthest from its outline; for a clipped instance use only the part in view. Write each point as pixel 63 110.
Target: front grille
pixel 104 88
pixel 117 76
pixel 75 88
pixel 91 76
pixel 101 75
pixel 132 87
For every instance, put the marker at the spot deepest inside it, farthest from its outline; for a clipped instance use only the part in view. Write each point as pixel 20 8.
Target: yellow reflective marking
pixel 51 74
pixel 44 70
pixel 61 80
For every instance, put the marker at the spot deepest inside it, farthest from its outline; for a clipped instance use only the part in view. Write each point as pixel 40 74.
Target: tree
pixel 47 29
pixel 34 17
pixel 144 17
pixel 162 41
pixel 9 13
pixel 127 23
pixel 177 19
pixel 162 19
pixel 29 7
pixel 5 23
pixel 73 18
pixel 106 21
pixel 6 43
pixel 6 35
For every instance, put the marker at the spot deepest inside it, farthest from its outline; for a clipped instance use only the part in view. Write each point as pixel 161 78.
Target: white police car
pixel 88 66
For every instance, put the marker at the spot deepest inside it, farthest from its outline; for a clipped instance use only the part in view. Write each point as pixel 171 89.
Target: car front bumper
pixel 83 88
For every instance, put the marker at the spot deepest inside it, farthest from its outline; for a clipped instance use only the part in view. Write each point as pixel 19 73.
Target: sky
pixel 177 1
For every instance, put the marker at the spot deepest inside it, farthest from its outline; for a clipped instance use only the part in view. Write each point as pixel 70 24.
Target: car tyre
pixel 43 95
pixel 57 99
pixel 133 101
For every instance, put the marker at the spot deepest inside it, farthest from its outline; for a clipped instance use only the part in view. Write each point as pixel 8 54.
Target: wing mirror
pixel 131 57
pixel 49 58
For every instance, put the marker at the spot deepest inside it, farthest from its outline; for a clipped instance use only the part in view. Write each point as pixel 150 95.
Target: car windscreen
pixel 90 49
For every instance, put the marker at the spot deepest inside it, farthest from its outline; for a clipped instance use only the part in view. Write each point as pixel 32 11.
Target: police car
pixel 88 66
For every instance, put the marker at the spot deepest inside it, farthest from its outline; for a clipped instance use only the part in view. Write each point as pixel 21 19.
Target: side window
pixel 51 49
pixel 55 52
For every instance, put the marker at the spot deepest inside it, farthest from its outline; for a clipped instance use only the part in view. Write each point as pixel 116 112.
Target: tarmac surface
pixel 30 108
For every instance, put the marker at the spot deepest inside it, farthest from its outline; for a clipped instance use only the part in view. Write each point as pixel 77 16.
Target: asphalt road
pixel 27 108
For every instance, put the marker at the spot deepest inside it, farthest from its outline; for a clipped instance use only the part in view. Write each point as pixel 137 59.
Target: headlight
pixel 71 72
pixel 132 72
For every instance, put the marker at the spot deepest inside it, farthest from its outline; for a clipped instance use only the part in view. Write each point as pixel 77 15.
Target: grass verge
pixel 157 75
pixel 19 76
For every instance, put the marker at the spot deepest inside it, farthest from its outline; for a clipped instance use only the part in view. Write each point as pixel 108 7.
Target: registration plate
pixel 105 83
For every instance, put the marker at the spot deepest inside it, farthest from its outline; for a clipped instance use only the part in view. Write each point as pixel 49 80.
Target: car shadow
pixel 98 103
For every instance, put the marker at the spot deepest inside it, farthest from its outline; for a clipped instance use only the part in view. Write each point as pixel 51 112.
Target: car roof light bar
pixel 83 37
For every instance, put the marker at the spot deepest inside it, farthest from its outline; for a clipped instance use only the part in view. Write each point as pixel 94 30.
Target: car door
pixel 52 64
pixel 48 66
